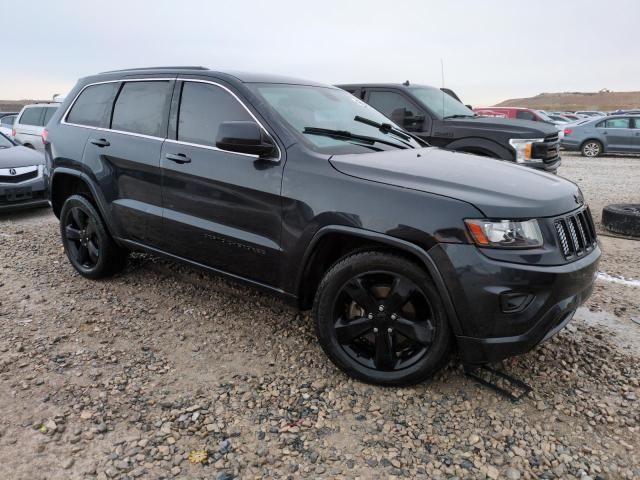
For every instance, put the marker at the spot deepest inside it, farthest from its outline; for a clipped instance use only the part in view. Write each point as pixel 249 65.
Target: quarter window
pixel 32 116
pixel 93 105
pixel 202 108
pixel 141 107
pixel 48 113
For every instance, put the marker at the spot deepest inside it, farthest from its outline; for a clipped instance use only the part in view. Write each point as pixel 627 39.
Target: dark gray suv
pixel 305 191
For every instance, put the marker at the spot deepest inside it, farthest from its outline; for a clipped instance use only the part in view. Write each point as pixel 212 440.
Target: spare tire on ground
pixel 623 218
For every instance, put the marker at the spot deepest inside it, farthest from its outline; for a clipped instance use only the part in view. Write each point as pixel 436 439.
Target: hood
pixel 512 128
pixel 20 157
pixel 499 189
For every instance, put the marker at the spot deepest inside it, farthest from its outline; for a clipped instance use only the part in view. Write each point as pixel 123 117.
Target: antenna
pixel 442 78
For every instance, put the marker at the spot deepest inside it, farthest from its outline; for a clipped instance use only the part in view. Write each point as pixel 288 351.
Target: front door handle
pixel 99 142
pixel 178 158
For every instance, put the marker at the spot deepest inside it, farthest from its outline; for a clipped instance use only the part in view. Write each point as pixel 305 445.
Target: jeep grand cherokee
pixel 305 191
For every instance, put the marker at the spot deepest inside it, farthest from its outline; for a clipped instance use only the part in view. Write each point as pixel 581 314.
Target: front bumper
pixel 479 285
pixel 23 195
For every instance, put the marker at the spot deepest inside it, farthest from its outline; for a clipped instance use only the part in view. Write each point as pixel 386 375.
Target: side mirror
pixel 243 137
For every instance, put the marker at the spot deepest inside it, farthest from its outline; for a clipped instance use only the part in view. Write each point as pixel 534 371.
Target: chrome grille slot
pixel 576 234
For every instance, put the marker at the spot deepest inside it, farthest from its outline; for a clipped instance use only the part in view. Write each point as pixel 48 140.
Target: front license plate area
pixel 18 194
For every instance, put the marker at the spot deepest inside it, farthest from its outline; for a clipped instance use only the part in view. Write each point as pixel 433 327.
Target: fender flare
pixel 95 193
pixel 425 259
pixel 490 147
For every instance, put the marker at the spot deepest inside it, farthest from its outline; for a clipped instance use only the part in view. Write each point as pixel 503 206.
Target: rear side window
pixel 525 115
pixel 615 123
pixel 142 108
pixel 8 120
pixel 48 113
pixel 31 116
pixel 202 108
pixel 93 105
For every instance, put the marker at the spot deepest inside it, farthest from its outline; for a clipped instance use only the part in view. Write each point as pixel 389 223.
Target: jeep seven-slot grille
pixel 576 233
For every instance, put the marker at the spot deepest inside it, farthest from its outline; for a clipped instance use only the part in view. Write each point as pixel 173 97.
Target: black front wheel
pixel 88 245
pixel 380 319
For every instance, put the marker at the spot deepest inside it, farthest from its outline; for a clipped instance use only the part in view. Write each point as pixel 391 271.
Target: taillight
pixel 45 135
pixel 567 131
pixel 13 132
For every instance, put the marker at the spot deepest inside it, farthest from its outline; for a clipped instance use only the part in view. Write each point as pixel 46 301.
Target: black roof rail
pixel 188 67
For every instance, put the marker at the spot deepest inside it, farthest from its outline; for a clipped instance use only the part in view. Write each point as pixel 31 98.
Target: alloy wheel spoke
pixel 401 291
pixel 83 254
pixel 93 251
pixel 421 332
pixel 349 330
pixel 72 233
pixel 91 227
pixel 79 218
pixel 385 356
pixel 359 294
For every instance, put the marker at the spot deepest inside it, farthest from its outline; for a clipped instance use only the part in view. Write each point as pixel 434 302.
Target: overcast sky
pixel 492 50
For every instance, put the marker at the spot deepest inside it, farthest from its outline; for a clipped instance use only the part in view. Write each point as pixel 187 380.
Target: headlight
pixel 505 233
pixel 524 148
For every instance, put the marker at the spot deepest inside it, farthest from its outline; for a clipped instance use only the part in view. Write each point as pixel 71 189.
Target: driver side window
pixel 397 108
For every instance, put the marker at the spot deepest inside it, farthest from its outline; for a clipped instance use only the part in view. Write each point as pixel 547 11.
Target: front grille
pixel 548 150
pixel 19 178
pixel 576 234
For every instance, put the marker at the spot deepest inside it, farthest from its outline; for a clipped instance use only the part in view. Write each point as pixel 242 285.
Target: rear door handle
pixel 99 142
pixel 178 158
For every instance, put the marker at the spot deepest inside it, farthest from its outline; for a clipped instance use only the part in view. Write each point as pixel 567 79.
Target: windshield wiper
pixel 461 116
pixel 385 128
pixel 344 134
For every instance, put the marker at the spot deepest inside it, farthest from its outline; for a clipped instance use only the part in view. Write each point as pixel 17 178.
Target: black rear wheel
pixel 380 319
pixel 88 245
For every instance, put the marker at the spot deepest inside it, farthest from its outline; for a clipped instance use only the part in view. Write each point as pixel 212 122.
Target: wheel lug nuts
pixel 394 316
pixel 370 316
pixel 381 308
pixel 389 329
pixel 375 330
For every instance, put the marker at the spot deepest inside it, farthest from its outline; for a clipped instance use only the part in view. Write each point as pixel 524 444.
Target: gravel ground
pixel 126 378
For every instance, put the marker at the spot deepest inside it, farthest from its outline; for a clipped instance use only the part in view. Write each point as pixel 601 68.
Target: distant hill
pixel 16 105
pixel 572 101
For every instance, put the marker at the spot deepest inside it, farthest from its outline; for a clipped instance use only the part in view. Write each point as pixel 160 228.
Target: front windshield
pixel 544 116
pixel 5 142
pixel 441 104
pixel 305 106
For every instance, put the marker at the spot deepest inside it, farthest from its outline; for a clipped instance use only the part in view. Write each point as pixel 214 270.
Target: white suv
pixel 30 123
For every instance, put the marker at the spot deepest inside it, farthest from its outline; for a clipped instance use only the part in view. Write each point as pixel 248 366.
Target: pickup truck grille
pixel 576 234
pixel 548 151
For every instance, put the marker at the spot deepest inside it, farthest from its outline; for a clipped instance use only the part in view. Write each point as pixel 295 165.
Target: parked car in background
pixel 21 176
pixel 305 191
pixel 516 113
pixel 440 119
pixel 6 123
pixel 591 113
pixel 619 134
pixel 30 123
pixel 625 112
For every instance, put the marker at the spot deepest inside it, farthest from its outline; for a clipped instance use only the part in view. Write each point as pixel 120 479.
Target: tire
pixel 591 149
pixel 623 218
pixel 88 245
pixel 363 338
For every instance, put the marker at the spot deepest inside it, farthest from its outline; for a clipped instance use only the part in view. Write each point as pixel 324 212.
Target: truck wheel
pixel 380 319
pixel 622 218
pixel 88 245
pixel 591 148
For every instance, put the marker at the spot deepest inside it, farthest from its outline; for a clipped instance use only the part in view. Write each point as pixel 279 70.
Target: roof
pixel 245 77
pixel 383 85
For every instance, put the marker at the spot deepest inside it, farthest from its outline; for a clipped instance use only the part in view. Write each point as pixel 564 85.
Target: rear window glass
pixel 202 108
pixel 31 116
pixel 93 105
pixel 141 108
pixel 8 120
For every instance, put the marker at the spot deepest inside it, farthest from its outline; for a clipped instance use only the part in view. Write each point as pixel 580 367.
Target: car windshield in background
pixel 544 116
pixel 5 142
pixel 309 108
pixel 441 104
